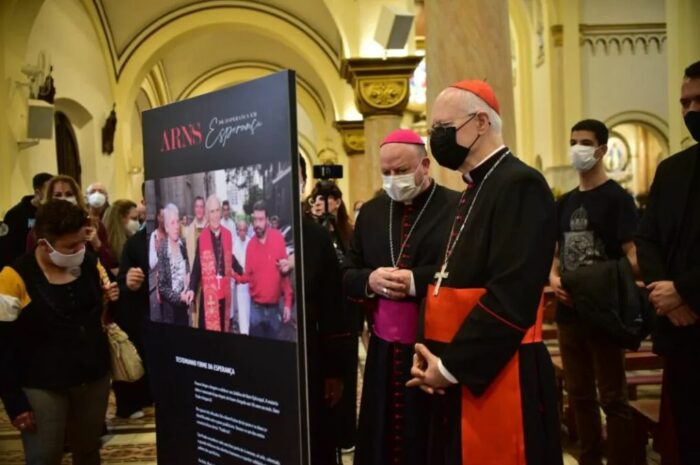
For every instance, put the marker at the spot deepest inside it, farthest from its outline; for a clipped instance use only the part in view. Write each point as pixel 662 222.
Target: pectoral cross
pixel 440 275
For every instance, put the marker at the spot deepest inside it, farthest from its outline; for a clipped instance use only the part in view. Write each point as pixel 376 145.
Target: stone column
pixel 381 95
pixel 353 135
pixel 470 39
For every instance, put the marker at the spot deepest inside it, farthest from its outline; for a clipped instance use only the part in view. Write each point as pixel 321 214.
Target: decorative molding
pixel 420 43
pixel 383 94
pixel 640 37
pixel 327 156
pixel 120 57
pixel 158 81
pixel 381 86
pixel 353 135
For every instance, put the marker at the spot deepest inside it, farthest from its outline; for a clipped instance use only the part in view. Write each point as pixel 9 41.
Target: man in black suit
pixel 19 220
pixel 668 247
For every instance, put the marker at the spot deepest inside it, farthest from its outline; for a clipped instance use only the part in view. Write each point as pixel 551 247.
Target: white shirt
pixel 239 249
pixel 229 224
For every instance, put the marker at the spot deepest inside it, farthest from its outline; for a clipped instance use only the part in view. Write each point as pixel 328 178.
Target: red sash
pixel 215 288
pixel 492 425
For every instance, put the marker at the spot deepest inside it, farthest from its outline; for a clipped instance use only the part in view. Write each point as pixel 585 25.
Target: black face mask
pixel 444 146
pixel 692 122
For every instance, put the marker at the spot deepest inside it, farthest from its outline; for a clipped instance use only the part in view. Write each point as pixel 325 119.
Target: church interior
pixel 551 63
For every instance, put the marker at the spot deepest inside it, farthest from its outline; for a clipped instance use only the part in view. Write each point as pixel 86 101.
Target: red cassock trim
pixel 492 425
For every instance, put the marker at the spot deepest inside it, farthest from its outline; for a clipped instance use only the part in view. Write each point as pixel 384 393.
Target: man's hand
pixel 682 316
pixel 559 291
pixel 111 290
pixel 286 314
pixel 134 278
pixel 286 265
pixel 333 391
pixel 664 297
pixel 426 373
pixel 403 277
pixel 190 297
pixel 383 283
pixel 25 422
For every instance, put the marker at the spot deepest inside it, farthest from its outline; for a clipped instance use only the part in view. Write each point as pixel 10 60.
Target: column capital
pixel 380 84
pixel 353 135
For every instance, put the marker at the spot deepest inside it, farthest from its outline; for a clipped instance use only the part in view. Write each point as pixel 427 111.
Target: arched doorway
pixel 67 155
pixel 635 149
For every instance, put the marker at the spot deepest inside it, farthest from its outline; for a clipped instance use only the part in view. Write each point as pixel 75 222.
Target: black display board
pixel 225 392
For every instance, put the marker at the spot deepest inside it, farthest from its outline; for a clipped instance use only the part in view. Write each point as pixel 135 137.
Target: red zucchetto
pixel 482 90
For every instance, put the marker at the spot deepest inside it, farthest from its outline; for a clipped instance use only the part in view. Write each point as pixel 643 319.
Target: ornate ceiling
pixel 217 48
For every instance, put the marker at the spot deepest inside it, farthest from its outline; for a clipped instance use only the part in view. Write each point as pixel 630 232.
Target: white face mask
pixel 132 226
pixel 401 188
pixel 66 261
pixel 71 199
pixel 97 199
pixel 583 157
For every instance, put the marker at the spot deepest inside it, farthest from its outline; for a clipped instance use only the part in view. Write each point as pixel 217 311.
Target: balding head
pixel 476 126
pixel 454 101
pixel 213 207
pixel 397 159
pixel 97 187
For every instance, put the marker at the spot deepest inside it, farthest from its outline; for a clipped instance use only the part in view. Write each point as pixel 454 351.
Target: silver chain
pixel 394 262
pixel 451 244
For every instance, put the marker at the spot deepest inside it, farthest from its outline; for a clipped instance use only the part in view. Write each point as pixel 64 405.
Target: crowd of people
pixel 219 274
pixel 451 285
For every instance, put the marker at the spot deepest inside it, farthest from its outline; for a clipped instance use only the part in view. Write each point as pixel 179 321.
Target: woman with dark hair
pixel 344 414
pixel 54 355
pixel 340 227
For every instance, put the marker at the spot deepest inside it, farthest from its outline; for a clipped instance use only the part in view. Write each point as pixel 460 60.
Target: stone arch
pixel 655 122
pixel 76 112
pixel 335 93
pixel 146 55
pixel 650 133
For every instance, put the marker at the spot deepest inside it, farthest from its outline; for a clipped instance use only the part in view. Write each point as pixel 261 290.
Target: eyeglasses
pixel 441 129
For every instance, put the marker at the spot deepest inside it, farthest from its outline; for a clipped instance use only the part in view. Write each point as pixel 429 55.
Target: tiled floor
pixel 132 442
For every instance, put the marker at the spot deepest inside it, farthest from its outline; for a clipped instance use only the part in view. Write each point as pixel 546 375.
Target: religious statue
pixel 108 132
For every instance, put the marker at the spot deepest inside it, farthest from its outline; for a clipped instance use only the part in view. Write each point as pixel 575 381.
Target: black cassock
pixel 392 417
pixel 485 324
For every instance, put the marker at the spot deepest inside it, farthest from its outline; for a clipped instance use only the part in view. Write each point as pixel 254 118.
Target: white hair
pixel 211 199
pixel 170 210
pixel 472 103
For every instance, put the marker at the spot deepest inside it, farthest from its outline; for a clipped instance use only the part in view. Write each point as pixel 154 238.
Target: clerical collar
pixel 479 171
pixel 199 225
pixel 420 198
